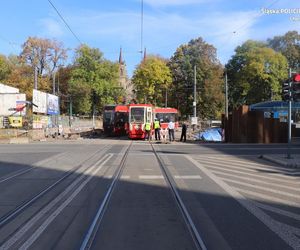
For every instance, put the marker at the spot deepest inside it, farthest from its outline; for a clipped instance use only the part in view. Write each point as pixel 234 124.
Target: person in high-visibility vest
pixel 148 130
pixel 157 129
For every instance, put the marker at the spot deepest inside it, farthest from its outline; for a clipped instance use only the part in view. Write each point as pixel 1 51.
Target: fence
pixel 39 126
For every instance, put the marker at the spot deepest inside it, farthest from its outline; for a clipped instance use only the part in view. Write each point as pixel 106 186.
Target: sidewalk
pixel 282 159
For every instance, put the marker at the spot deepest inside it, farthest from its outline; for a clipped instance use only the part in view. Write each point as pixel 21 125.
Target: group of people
pixel 161 133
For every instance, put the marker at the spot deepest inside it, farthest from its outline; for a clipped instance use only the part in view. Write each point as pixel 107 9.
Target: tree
pixel 94 80
pixel 209 79
pixel 255 74
pixel 289 46
pixel 45 54
pixel 151 79
pixel 5 68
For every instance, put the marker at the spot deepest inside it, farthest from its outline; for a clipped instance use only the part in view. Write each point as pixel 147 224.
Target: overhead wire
pixel 65 22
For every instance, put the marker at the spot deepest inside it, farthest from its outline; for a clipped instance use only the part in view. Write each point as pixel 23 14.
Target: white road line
pixel 277 210
pixel 256 181
pixel 254 166
pixel 222 168
pixel 22 231
pixel 150 177
pixel 268 198
pixel 22 171
pixel 250 163
pixel 271 190
pixel 125 177
pixel 280 175
pixel 188 177
pixel 287 236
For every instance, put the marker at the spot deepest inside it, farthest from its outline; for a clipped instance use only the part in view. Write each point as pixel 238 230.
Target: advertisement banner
pixel 15 121
pixel 12 104
pixel 39 98
pixel 52 105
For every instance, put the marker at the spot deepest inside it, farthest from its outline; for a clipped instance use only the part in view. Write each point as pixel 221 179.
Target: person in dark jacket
pixel 183 132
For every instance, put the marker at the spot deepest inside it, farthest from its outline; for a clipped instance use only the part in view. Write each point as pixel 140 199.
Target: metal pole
pixel 226 96
pixel 53 83
pixel 166 102
pixel 35 77
pixel 195 90
pixel 71 112
pixel 290 116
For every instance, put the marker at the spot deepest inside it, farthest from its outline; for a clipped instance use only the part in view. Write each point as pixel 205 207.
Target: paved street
pixel 118 194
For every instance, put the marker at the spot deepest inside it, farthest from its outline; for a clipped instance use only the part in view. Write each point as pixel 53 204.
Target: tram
pixel 115 120
pixel 139 114
pixel 164 115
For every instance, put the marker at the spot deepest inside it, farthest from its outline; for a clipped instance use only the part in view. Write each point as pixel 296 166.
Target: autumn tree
pixel 94 80
pixel 5 68
pixel 289 46
pixel 151 79
pixel 209 79
pixel 255 74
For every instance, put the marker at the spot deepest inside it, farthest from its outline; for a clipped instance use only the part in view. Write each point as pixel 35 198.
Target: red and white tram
pixel 139 114
pixel 164 115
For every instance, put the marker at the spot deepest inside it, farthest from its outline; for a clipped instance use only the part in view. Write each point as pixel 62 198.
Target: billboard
pixel 39 98
pixel 12 104
pixel 52 105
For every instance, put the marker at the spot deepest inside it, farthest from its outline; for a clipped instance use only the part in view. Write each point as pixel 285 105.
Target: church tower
pixel 124 82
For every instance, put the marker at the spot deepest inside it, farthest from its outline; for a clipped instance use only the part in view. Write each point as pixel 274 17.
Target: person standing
pixel 148 130
pixel 171 127
pixel 183 132
pixel 157 129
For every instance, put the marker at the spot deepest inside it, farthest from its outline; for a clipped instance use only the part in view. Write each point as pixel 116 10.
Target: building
pixel 124 81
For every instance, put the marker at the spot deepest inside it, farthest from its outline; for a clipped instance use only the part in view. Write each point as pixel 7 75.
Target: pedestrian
pixel 157 129
pixel 148 130
pixel 171 127
pixel 183 132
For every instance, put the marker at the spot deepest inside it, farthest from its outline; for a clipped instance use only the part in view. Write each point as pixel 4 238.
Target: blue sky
pixel 109 25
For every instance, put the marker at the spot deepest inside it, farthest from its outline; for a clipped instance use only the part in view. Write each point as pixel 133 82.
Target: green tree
pixel 289 46
pixel 255 74
pixel 93 80
pixel 209 79
pixel 5 68
pixel 151 79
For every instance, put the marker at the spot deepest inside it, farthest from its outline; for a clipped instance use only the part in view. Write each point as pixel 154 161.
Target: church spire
pixel 121 56
pixel 145 54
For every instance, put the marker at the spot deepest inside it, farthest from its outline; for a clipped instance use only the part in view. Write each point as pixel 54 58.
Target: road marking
pixel 256 180
pixel 286 235
pixel 150 177
pixel 22 231
pixel 221 168
pixel 277 211
pixel 125 177
pixel 271 190
pixel 269 171
pixel 188 177
pixel 268 197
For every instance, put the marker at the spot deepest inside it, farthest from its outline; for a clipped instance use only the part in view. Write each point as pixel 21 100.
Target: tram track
pixel 22 207
pixel 91 233
pixel 199 243
pixel 49 205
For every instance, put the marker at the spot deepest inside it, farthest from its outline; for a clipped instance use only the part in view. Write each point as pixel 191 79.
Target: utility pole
pixel 53 83
pixel 290 115
pixel 195 92
pixel 35 77
pixel 226 96
pixel 166 99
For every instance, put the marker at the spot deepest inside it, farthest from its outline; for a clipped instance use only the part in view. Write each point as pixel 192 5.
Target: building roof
pixel 274 106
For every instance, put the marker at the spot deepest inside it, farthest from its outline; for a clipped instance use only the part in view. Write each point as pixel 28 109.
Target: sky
pixel 167 24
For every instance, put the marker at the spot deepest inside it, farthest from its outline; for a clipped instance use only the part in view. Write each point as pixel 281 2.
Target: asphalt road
pixel 53 194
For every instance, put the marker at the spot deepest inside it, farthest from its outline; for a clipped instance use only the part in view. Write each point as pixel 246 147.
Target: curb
pixel 282 162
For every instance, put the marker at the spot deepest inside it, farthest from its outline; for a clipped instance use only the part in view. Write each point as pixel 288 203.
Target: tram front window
pixel 137 114
pixel 166 117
